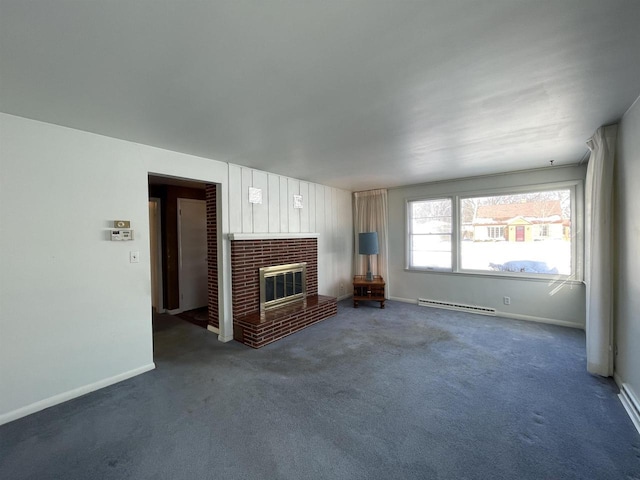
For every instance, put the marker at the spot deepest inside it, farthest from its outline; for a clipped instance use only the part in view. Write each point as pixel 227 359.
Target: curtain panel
pixel 371 215
pixel 599 251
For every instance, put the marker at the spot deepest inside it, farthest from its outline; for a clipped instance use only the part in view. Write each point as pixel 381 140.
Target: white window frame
pixel 576 189
pixel 409 232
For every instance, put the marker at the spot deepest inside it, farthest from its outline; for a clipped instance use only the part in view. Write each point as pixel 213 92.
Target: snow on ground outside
pixel 528 255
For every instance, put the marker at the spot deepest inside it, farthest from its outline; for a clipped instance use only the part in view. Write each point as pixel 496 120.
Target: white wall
pixel 326 211
pixel 75 315
pixel 545 301
pixel 627 288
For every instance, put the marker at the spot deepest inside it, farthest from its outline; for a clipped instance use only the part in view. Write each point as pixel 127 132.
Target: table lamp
pixel 368 245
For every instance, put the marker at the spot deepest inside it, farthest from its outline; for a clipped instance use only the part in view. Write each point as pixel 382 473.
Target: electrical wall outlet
pixel 507 300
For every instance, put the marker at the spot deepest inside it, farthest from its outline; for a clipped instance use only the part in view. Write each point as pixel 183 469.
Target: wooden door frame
pixel 158 235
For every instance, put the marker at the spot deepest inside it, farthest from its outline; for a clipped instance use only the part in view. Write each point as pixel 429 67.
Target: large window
pixel 430 231
pixel 526 233
pixel 536 235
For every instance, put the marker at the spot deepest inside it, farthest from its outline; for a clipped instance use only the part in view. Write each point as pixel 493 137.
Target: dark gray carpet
pixel 405 392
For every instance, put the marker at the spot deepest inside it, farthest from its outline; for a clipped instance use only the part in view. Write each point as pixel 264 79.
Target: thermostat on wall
pixel 122 234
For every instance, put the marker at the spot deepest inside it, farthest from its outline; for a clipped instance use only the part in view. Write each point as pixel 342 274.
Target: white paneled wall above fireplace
pixel 325 210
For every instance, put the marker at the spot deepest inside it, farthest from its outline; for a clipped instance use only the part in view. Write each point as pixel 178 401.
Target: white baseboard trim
pixel 515 316
pixel 225 339
pixel 629 401
pixel 213 329
pixel 405 300
pixel 175 311
pixel 344 297
pixel 71 394
pixel 531 318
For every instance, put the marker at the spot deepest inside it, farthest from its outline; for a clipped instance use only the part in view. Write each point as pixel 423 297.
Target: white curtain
pixel 598 250
pixel 370 215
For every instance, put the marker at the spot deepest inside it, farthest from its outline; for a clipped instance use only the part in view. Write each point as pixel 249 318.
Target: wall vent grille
pixel 425 302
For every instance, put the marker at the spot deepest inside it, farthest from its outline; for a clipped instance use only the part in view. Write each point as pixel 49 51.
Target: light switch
pixel 134 257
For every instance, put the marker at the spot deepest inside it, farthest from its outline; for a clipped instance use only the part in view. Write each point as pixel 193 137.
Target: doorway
pixel 186 271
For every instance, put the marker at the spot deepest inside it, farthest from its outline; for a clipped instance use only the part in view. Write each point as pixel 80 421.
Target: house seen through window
pixel 528 233
pixel 521 233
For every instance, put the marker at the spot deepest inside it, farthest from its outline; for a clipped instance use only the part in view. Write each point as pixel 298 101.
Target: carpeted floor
pixel 199 316
pixel 406 392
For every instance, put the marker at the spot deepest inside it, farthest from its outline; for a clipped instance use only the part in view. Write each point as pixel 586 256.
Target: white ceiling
pixel 354 94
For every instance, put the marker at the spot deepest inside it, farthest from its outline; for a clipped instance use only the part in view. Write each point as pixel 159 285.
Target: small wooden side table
pixel 363 290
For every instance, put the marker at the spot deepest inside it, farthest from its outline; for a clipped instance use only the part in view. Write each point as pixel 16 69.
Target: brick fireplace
pixel 248 255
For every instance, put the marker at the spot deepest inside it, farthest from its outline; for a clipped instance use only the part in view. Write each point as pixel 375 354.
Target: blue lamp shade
pixel 368 243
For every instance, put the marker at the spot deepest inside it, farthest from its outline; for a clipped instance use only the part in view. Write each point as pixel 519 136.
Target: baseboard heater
pixel 425 302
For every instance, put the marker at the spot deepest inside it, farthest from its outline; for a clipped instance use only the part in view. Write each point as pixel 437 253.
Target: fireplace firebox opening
pixel 281 285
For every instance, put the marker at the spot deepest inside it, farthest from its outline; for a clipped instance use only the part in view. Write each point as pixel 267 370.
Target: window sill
pixel 504 276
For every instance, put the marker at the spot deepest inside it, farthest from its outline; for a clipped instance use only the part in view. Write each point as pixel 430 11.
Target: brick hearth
pixel 247 257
